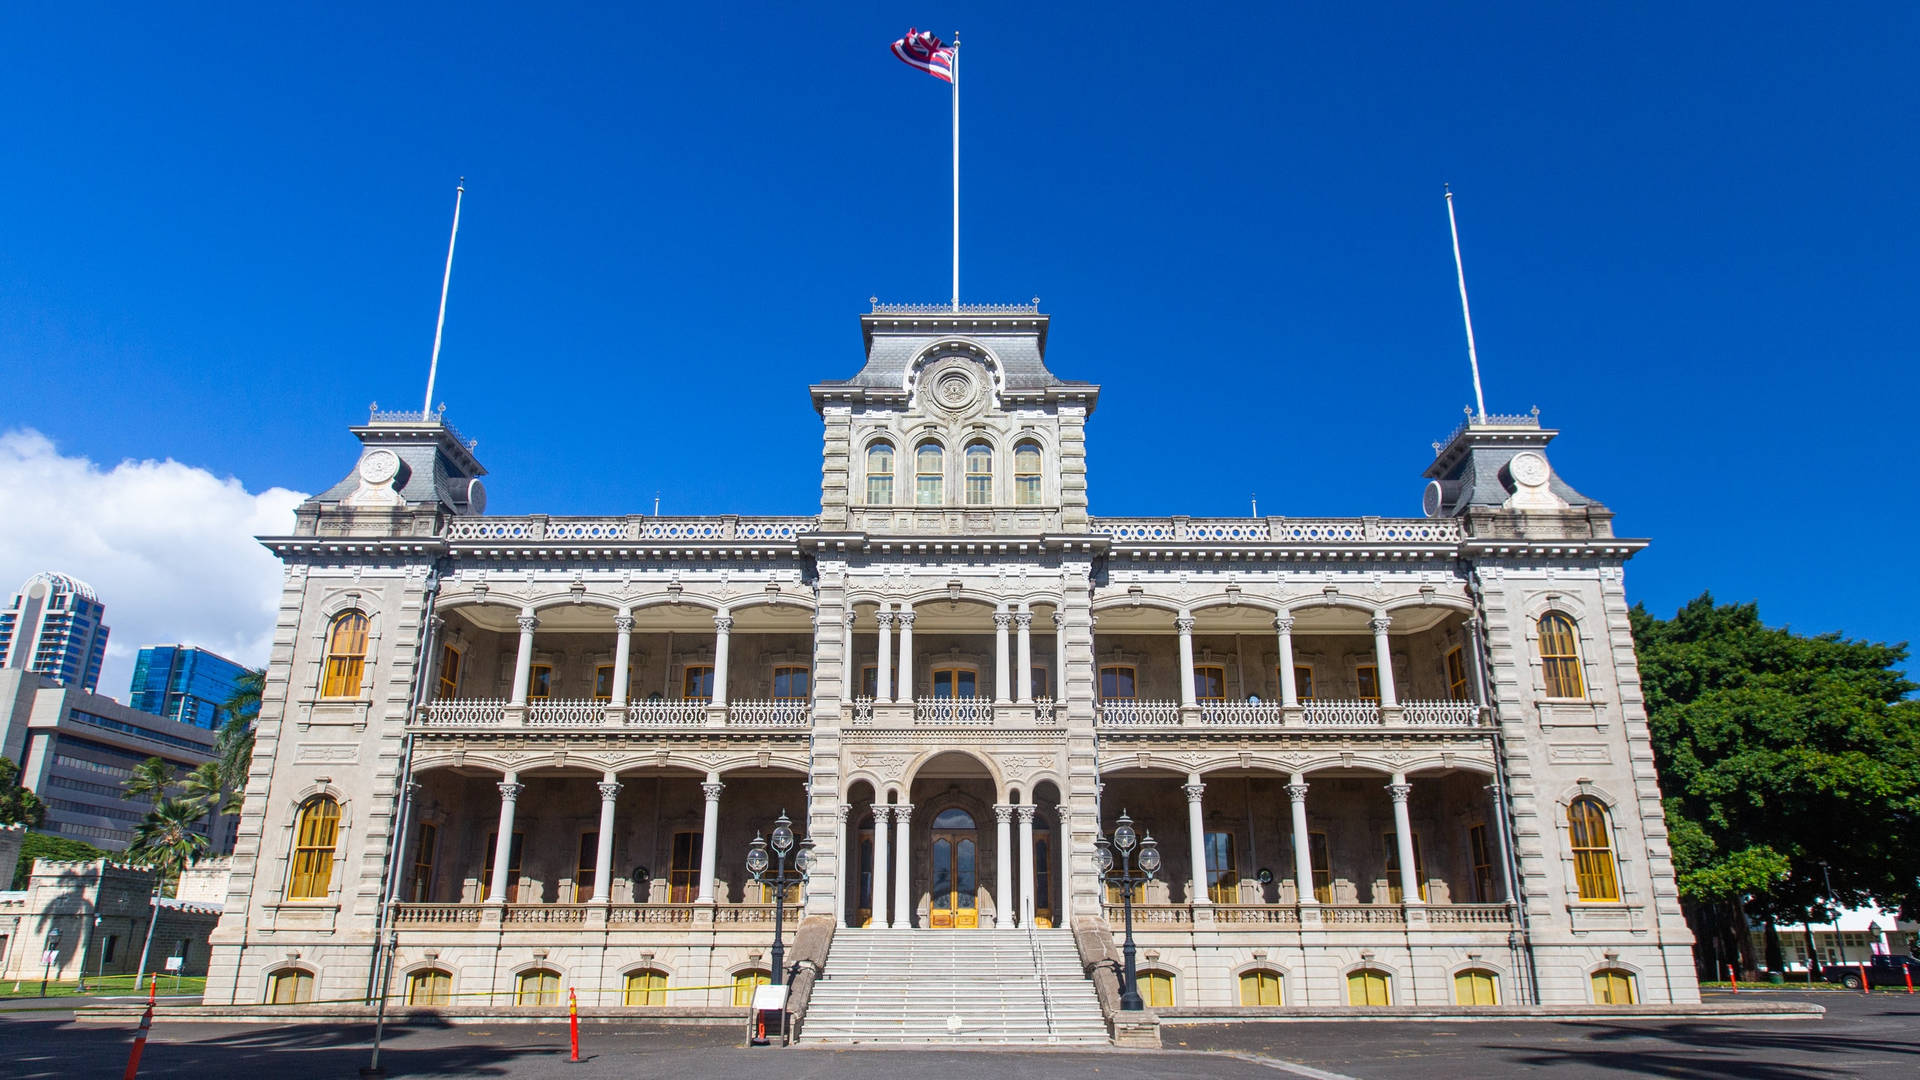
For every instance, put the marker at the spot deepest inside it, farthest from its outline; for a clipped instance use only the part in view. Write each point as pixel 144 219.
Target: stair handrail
pixel 1040 973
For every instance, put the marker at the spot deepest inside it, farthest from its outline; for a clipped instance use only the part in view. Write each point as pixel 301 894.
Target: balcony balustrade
pixel 660 715
pixel 537 916
pixel 1130 713
pixel 938 713
pixel 1491 916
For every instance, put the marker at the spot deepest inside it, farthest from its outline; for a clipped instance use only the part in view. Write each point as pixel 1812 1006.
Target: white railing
pixel 1128 712
pixel 1324 712
pixel 768 713
pixel 563 712
pixel 1247 713
pixel 1046 712
pixel 953 711
pixel 464 712
pixel 545 914
pixel 1440 713
pixel 543 527
pixel 675 712
pixel 437 914
pixel 1469 914
pixel 652 914
pixel 1260 914
pixel 863 710
pixel 1280 530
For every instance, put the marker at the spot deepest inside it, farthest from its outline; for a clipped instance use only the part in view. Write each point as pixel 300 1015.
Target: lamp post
pixel 100 964
pixel 770 869
pixel 1128 860
pixel 47 958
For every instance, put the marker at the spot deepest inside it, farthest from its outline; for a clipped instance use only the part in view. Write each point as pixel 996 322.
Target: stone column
pixel 903 693
pixel 1197 839
pixel 902 860
pixel 1001 686
pixel 1289 692
pixel 510 789
pixel 849 671
pixel 1023 621
pixel 523 662
pixel 622 655
pixel 1497 846
pixel 722 636
pixel 1403 838
pixel 1027 905
pixel 843 855
pixel 1383 659
pixel 709 837
pixel 1302 841
pixel 1184 624
pixel 1003 906
pixel 1063 848
pixel 1060 669
pixel 880 881
pixel 883 666
pixel 603 854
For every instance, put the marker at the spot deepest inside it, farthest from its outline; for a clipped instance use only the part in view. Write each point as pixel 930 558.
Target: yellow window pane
pixel 744 983
pixel 1367 987
pixel 1614 987
pixel 1475 988
pixel 646 988
pixel 1156 989
pixel 429 988
pixel 1260 988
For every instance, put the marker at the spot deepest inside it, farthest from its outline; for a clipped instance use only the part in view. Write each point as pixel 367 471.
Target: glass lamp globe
pixel 1149 856
pixel 782 834
pixel 1103 856
pixel 757 856
pixel 1123 836
pixel 803 859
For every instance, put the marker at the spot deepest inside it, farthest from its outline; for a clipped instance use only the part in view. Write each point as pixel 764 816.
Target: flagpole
pixel 956 170
pixel 1466 313
pixel 440 324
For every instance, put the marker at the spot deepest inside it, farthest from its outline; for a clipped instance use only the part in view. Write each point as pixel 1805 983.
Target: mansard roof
pixel 898 335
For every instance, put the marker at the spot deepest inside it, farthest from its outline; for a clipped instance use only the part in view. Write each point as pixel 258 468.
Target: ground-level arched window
pixel 1156 989
pixel 929 474
pixel 537 987
pixel 1476 986
pixel 979 474
pixel 346 656
pixel 1592 841
pixel 1368 986
pixel 1612 986
pixel 646 987
pixel 1261 987
pixel 430 987
pixel 316 830
pixel 745 981
pixel 880 474
pixel 290 987
pixel 1027 489
pixel 1560 657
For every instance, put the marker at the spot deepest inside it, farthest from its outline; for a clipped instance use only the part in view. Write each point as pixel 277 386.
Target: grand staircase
pixel 954 987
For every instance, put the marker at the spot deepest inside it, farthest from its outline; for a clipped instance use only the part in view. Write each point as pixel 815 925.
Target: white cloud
pixel 169 548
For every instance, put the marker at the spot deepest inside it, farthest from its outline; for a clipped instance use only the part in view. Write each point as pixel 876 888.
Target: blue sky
pixel 1689 234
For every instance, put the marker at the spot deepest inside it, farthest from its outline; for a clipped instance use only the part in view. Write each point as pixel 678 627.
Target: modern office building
pixel 1386 761
pixel 184 683
pixel 75 749
pixel 53 628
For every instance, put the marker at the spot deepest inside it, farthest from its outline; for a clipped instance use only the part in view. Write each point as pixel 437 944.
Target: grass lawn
pixel 112 984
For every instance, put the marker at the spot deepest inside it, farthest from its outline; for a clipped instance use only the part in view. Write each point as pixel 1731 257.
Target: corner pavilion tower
pixel 1398 761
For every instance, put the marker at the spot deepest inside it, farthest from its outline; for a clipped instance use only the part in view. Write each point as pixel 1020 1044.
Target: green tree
pixel 36 845
pixel 152 778
pixel 204 789
pixel 18 805
pixel 1786 762
pixel 167 841
pixel 235 745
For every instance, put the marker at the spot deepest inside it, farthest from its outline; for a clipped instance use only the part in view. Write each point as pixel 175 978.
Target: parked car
pixel 1880 971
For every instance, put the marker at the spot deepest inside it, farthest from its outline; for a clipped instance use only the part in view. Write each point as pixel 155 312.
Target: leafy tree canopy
pixel 37 845
pixel 1780 756
pixel 18 805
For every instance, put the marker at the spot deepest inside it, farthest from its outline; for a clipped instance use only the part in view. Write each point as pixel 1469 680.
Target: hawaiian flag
pixel 923 50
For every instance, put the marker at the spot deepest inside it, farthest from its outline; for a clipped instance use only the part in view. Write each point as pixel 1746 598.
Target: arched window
pixel 1592 841
pixel 1476 986
pixel 430 987
pixel 1560 657
pixel 316 829
pixel 929 474
pixel 1156 989
pixel 880 474
pixel 647 986
pixel 1612 986
pixel 346 656
pixel 745 981
pixel 290 986
pixel 1368 986
pixel 979 474
pixel 1262 987
pixel 1026 474
pixel 537 987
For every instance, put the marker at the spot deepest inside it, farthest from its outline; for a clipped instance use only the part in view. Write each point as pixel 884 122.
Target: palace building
pixel 1388 762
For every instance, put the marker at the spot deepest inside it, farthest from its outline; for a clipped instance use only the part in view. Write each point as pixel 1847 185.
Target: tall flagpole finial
pixel 446 279
pixel 1466 313
pixel 956 170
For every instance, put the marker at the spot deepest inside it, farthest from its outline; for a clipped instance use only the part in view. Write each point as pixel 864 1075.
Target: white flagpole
pixel 440 324
pixel 1465 312
pixel 956 170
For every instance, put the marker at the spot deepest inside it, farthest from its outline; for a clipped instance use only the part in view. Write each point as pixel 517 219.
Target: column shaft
pixel 603 852
pixel 880 879
pixel 903 693
pixel 1002 687
pixel 1024 673
pixel 709 837
pixel 1003 905
pixel 1383 658
pixel 622 656
pixel 902 860
pixel 1289 692
pixel 1184 624
pixel 1060 672
pixel 1197 840
pixel 1403 839
pixel 1302 841
pixel 1028 906
pixel 842 855
pixel 503 840
pixel 722 637
pixel 883 668
pixel 523 660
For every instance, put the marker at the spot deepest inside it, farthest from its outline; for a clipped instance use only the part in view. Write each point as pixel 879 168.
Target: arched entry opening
pixel 954 871
pixel 951 844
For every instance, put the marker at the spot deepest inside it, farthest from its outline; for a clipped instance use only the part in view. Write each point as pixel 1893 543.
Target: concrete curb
pixel 405 1016
pixel 1757 1010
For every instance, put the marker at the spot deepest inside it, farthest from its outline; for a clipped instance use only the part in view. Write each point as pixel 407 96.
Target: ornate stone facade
pixel 1407 754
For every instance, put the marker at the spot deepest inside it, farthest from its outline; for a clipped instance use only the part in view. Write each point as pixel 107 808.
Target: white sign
pixel 174 962
pixel 49 958
pixel 769 998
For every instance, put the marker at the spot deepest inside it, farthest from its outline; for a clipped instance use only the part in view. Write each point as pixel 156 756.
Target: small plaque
pixel 769 998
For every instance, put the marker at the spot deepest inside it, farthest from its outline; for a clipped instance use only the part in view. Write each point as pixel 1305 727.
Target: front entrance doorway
pixel 955 872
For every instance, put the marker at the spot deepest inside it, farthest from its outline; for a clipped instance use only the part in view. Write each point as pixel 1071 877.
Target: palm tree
pixel 204 788
pixel 235 745
pixel 152 778
pixel 244 702
pixel 167 841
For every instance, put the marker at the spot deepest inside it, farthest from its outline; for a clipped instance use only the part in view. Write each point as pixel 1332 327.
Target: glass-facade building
pixel 184 683
pixel 53 628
